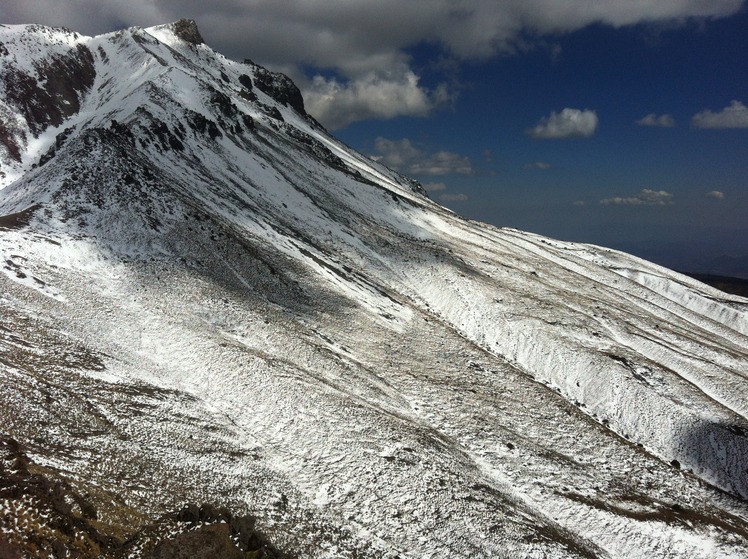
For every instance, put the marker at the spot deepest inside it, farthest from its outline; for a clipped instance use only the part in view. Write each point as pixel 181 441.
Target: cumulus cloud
pixel 538 165
pixel 361 42
pixel 645 197
pixel 373 96
pixel 664 121
pixel 716 194
pixel 569 123
pixel 406 157
pixel 453 197
pixel 734 116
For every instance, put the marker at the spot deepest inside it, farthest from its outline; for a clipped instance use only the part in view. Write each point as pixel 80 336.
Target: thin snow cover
pixel 255 315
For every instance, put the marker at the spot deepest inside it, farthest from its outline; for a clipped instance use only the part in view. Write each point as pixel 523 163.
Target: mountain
pixel 702 257
pixel 226 334
pixel 725 265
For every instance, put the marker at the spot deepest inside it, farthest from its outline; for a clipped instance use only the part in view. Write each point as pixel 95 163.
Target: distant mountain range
pixel 692 257
pixel 226 334
pixel 736 286
pixel 724 265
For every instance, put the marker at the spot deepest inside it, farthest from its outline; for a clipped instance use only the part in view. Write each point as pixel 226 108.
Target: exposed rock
pixel 278 86
pixel 315 147
pixel 186 29
pixel 55 93
pixel 246 81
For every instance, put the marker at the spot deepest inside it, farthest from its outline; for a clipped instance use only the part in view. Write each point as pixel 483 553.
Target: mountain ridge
pixel 287 327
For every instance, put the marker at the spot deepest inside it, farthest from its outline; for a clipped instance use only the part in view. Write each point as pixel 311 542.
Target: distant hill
pixel 735 286
pixel 726 266
pixel 705 257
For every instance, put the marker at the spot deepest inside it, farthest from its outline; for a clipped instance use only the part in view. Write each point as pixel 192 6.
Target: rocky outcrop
pixel 278 86
pixel 186 29
pixel 55 92
pixel 40 95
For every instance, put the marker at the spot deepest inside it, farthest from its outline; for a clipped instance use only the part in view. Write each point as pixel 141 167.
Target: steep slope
pixel 206 298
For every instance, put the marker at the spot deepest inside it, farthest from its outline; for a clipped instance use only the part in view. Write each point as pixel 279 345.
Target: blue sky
pixel 590 188
pixel 616 122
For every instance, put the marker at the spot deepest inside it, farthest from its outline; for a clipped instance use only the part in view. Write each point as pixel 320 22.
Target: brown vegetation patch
pixel 18 219
pixel 8 138
pixel 45 515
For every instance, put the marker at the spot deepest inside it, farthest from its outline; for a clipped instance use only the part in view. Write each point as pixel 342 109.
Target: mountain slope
pixel 206 298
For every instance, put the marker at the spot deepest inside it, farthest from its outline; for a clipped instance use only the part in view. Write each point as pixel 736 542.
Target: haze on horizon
pixel 624 125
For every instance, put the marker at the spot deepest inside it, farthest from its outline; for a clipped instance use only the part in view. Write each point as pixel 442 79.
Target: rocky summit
pixel 223 333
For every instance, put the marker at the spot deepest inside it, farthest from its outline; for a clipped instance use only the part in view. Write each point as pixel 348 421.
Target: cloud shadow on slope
pixel 716 453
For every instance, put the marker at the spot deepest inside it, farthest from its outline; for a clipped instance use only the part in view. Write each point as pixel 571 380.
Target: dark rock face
pixel 45 97
pixel 278 86
pixel 315 147
pixel 202 125
pixel 246 81
pixel 65 80
pixel 186 29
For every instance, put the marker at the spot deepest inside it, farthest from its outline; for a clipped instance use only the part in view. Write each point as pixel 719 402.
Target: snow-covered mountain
pixel 206 298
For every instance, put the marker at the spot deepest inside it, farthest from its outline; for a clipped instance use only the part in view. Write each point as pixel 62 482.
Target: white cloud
pixel 538 165
pixel 664 121
pixel 453 197
pixel 363 43
pixel 569 123
pixel 734 116
pixel 716 194
pixel 348 33
pixel 372 96
pixel 404 156
pixel 645 197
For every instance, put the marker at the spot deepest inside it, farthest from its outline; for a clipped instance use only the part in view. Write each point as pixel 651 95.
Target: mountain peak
pixel 186 29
